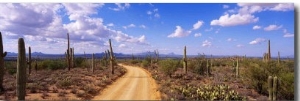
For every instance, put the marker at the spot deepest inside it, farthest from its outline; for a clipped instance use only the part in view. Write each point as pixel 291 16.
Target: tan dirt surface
pixel 136 84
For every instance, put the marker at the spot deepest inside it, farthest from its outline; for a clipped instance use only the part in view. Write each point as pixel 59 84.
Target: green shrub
pixel 168 66
pixel 52 64
pixel 145 63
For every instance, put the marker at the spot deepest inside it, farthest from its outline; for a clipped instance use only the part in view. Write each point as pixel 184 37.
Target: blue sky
pixel 210 28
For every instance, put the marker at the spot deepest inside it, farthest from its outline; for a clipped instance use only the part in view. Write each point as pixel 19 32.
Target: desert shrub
pixel 79 62
pixel 258 72
pixel 134 61
pixel 146 62
pixel 52 64
pixel 168 66
pixel 11 67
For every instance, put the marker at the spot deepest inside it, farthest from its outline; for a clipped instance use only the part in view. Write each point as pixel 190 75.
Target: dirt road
pixel 136 84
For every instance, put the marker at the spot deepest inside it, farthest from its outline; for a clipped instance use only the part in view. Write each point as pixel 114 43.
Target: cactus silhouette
pixel 184 60
pixel 21 70
pixel 93 62
pixel 237 67
pixel 111 58
pixel 29 61
pixel 2 55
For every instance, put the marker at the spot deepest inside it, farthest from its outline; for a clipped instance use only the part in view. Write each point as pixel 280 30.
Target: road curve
pixel 136 84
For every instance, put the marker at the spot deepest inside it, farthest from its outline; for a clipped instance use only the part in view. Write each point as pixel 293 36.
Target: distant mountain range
pixel 118 55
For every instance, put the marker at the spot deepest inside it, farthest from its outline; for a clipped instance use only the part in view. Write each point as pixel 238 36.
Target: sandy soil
pixel 136 84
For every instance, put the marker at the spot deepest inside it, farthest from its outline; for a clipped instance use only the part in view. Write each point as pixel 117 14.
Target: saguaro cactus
pixel 111 58
pixel 29 61
pixel 278 59
pixel 237 67
pixel 93 63
pixel 207 68
pixel 184 60
pixel 270 87
pixel 275 86
pixel 21 70
pixel 68 53
pixel 269 51
pixel 72 55
pixel 2 55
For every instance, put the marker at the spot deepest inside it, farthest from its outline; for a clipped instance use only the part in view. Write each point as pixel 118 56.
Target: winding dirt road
pixel 136 84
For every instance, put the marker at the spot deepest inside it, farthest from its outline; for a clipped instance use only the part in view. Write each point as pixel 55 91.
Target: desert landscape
pixel 67 51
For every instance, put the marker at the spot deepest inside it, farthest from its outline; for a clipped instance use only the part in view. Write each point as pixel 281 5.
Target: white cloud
pixel 257 41
pixel 268 6
pixel 110 24
pixel 225 6
pixel 129 26
pixel 120 6
pixel 198 34
pixel 122 46
pixel 206 43
pixel 239 45
pixel 197 25
pixel 283 7
pixel 234 20
pixel 272 27
pixel 142 26
pixel 287 34
pixel 179 32
pixel 154 12
pixel 256 27
pixel 149 12
pixel 229 39
pixel 42 24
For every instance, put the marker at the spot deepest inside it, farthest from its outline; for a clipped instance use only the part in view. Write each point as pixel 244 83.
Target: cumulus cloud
pixel 197 25
pixel 122 46
pixel 287 34
pixel 268 6
pixel 257 41
pixel 120 6
pixel 129 26
pixel 239 45
pixel 198 34
pixel 142 26
pixel 206 43
pixel 256 27
pixel 235 19
pixel 230 39
pixel 272 27
pixel 244 14
pixel 110 24
pixel 43 23
pixel 179 32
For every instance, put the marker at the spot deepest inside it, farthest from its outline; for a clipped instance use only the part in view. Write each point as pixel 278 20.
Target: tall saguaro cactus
pixel 21 70
pixel 278 59
pixel 111 58
pixel 68 53
pixel 272 87
pixel 237 67
pixel 269 51
pixel 184 60
pixel 93 62
pixel 2 55
pixel 29 60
